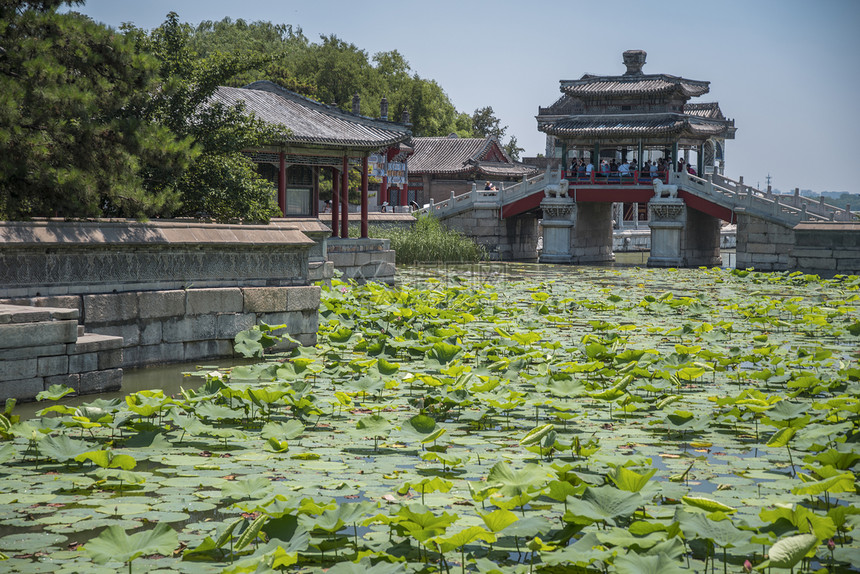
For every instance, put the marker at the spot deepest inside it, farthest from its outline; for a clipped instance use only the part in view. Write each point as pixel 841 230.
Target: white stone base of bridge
pixel 682 237
pixel 559 215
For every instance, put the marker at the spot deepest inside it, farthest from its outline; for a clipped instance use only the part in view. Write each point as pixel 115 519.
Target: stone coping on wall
pixel 129 232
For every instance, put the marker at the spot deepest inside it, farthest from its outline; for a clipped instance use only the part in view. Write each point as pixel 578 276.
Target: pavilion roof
pixel 311 123
pixel 709 110
pixel 591 86
pixel 637 126
pixel 453 155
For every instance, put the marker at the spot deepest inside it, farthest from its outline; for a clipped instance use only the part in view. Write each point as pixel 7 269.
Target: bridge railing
pixel 782 208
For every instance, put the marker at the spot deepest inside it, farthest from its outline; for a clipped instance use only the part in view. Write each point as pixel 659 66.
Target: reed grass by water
pixel 428 241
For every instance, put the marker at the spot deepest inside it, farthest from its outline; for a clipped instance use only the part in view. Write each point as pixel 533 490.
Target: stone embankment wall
pixel 514 239
pixel 172 291
pixel 825 248
pixel 40 347
pixel 764 245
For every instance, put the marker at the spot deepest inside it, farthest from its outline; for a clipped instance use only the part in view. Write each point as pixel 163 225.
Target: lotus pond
pixel 516 419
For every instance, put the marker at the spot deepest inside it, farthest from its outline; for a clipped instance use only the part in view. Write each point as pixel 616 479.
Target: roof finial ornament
pixel 404 118
pixel 634 60
pixel 383 109
pixel 356 104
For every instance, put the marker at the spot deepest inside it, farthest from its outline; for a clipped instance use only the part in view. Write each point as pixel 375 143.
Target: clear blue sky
pixel 785 70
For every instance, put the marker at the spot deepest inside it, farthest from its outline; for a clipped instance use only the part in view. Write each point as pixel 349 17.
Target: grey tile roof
pixel 624 125
pixel 709 110
pixel 312 123
pixel 603 86
pixel 453 155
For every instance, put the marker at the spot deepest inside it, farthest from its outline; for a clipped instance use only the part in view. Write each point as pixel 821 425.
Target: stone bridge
pixel 774 232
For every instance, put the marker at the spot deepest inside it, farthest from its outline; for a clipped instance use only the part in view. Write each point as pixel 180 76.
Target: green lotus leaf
pixel 514 482
pixel 708 504
pixel 630 480
pixel 282 431
pixel 253 488
pixel 721 532
pixel 113 544
pixel 786 553
pixel 366 567
pixel 604 503
pixel 54 393
pixel 463 537
pixel 636 564
pixel 62 448
pixel 498 520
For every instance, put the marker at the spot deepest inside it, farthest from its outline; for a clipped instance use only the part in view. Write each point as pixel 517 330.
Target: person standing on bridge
pixel 589 167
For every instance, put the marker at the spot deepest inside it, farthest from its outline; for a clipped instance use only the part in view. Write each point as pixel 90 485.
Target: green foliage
pixel 73 133
pixel 428 241
pixel 220 182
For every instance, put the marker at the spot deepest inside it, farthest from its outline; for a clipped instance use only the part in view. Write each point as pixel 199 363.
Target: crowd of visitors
pixel 581 169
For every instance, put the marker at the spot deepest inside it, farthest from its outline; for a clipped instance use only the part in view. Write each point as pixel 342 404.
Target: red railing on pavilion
pixel 614 177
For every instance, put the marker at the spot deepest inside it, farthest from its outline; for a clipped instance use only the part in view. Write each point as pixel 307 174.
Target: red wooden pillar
pixel 282 183
pixel 344 199
pixel 404 193
pixel 315 194
pixel 364 197
pixel 383 189
pixel 335 201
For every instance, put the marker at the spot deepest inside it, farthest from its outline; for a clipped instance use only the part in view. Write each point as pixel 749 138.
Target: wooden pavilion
pixel 318 136
pixel 646 116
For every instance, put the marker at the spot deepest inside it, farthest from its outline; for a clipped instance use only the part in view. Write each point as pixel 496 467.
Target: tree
pixel 486 124
pixel 512 149
pixel 220 182
pixel 72 136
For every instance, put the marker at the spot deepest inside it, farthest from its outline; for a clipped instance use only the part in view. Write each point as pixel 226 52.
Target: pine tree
pixel 74 141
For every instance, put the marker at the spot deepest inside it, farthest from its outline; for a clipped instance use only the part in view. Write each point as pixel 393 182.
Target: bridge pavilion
pixel 636 116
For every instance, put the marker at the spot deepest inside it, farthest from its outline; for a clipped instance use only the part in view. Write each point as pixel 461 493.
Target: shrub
pixel 428 241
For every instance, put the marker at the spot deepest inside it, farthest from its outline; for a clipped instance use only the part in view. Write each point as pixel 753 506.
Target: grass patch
pixel 428 241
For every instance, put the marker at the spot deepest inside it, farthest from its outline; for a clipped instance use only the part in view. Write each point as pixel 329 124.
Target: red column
pixel 364 197
pixel 404 193
pixel 315 194
pixel 344 199
pixel 383 189
pixel 335 201
pixel 282 184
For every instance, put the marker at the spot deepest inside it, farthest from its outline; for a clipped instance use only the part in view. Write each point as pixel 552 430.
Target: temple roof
pixel 636 85
pixel 710 110
pixel 627 125
pixel 453 155
pixel 309 122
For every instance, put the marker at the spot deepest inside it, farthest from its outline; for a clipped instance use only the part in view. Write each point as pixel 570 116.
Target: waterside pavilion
pixel 636 115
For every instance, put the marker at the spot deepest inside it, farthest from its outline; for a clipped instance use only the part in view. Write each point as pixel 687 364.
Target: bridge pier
pixel 591 240
pixel 681 236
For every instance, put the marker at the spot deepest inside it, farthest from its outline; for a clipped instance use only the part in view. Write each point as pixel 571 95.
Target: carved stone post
pixel 667 219
pixel 559 215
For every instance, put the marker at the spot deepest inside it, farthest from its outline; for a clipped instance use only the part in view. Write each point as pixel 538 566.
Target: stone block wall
pixel 184 325
pixel 826 248
pixel 45 346
pixel 163 291
pixel 363 259
pixel 764 245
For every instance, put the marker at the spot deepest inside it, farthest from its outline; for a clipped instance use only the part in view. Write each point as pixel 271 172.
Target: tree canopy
pixel 102 122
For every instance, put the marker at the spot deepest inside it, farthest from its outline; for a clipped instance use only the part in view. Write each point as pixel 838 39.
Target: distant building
pixel 635 115
pixel 440 165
